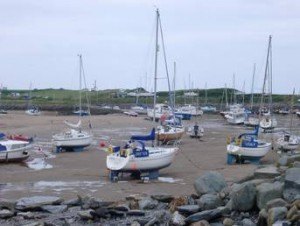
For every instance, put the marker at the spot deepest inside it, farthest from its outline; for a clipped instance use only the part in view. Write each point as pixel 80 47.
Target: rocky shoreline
pixel 270 197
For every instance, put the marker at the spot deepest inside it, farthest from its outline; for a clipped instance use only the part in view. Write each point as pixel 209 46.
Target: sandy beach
pixel 85 172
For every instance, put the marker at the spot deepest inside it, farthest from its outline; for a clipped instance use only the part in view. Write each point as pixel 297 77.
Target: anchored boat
pixel 14 150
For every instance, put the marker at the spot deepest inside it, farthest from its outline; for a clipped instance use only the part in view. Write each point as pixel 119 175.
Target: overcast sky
pixel 208 39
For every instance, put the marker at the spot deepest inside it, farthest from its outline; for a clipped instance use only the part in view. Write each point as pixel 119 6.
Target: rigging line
pixel 85 86
pixel 166 64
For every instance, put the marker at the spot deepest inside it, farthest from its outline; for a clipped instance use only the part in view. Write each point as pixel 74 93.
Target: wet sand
pixel 85 172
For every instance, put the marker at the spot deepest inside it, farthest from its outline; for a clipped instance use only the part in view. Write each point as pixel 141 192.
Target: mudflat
pixel 86 173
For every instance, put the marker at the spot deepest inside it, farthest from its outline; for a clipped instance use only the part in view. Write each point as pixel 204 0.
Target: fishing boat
pixel 136 157
pixel 74 138
pixel 247 146
pixel 14 150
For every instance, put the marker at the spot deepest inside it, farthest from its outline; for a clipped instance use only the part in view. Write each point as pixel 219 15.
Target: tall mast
pixel 234 93
pixel 252 86
pixel 80 70
pixel 205 93
pixel 174 82
pixel 155 64
pixel 266 71
pixel 226 97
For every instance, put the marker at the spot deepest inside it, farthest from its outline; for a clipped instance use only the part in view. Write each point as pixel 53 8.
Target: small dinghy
pixel 131 113
pixel 14 150
pixel 247 147
pixel 195 131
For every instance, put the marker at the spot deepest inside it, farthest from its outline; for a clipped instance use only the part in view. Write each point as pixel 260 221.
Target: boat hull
pixel 257 152
pixel 158 158
pixel 15 154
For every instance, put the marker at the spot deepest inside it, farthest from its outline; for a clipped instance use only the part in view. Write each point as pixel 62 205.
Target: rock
pixel 266 172
pixel 34 224
pixel 210 183
pixel 115 213
pixel 137 213
pixel 279 202
pixel 296 164
pixel 54 209
pixel 209 201
pixel 296 203
pixel 288 160
pixel 147 204
pixel 135 223
pixel 283 161
pixel 86 214
pixel 268 191
pixel 35 202
pixel 243 197
pixel 282 223
pixel 123 208
pixel 180 201
pixel 73 202
pixel 177 219
pixel 89 202
pixel 291 184
pixel 6 214
pixel 7 204
pixel 247 222
pixel 228 222
pixel 162 216
pixel 162 197
pixel 262 218
pixel 224 210
pixel 204 215
pixel 275 214
pixel 100 212
pixel 188 209
pixel 201 223
pixel 26 215
pixel 293 214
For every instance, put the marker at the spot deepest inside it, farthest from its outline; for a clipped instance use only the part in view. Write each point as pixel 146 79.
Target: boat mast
pixel 234 93
pixel 226 97
pixel 291 110
pixel 252 86
pixel 205 94
pixel 155 64
pixel 266 71
pixel 80 67
pixel 174 82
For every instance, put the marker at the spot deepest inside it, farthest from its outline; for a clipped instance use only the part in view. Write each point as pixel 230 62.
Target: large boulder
pixel 276 203
pixel 291 184
pixel 266 172
pixel 243 197
pixel 7 204
pixel 288 160
pixel 36 202
pixel 54 209
pixel 177 219
pixel 267 192
pixel 6 214
pixel 209 201
pixel 188 209
pixel 210 183
pixel 276 214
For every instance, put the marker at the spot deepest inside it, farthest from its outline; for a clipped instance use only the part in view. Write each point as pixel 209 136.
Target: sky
pixel 210 40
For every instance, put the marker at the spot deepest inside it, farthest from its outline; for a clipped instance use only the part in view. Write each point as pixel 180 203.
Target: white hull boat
pixel 131 113
pixel 195 132
pixel 139 109
pixel 247 147
pixel 14 150
pixel 235 118
pixel 158 158
pixel 33 112
pixel 288 143
pixel 251 121
pixel 189 109
pixel 72 139
pixel 268 122
pixel 169 133
pixel 159 111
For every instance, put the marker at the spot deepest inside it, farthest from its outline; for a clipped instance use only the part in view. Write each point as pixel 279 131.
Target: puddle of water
pixel 168 179
pixel 38 164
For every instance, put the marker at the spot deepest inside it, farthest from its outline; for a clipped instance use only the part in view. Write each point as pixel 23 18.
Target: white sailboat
pixel 288 141
pixel 135 157
pixel 74 138
pixel 268 121
pixel 14 150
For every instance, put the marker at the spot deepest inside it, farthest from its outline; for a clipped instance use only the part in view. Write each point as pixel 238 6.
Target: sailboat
pixel 166 132
pixel 136 157
pixel 208 108
pixel 252 119
pixel 288 141
pixel 268 121
pixel 32 110
pixel 14 150
pixel 74 138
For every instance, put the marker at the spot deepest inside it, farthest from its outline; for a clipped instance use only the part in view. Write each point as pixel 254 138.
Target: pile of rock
pixel 274 200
